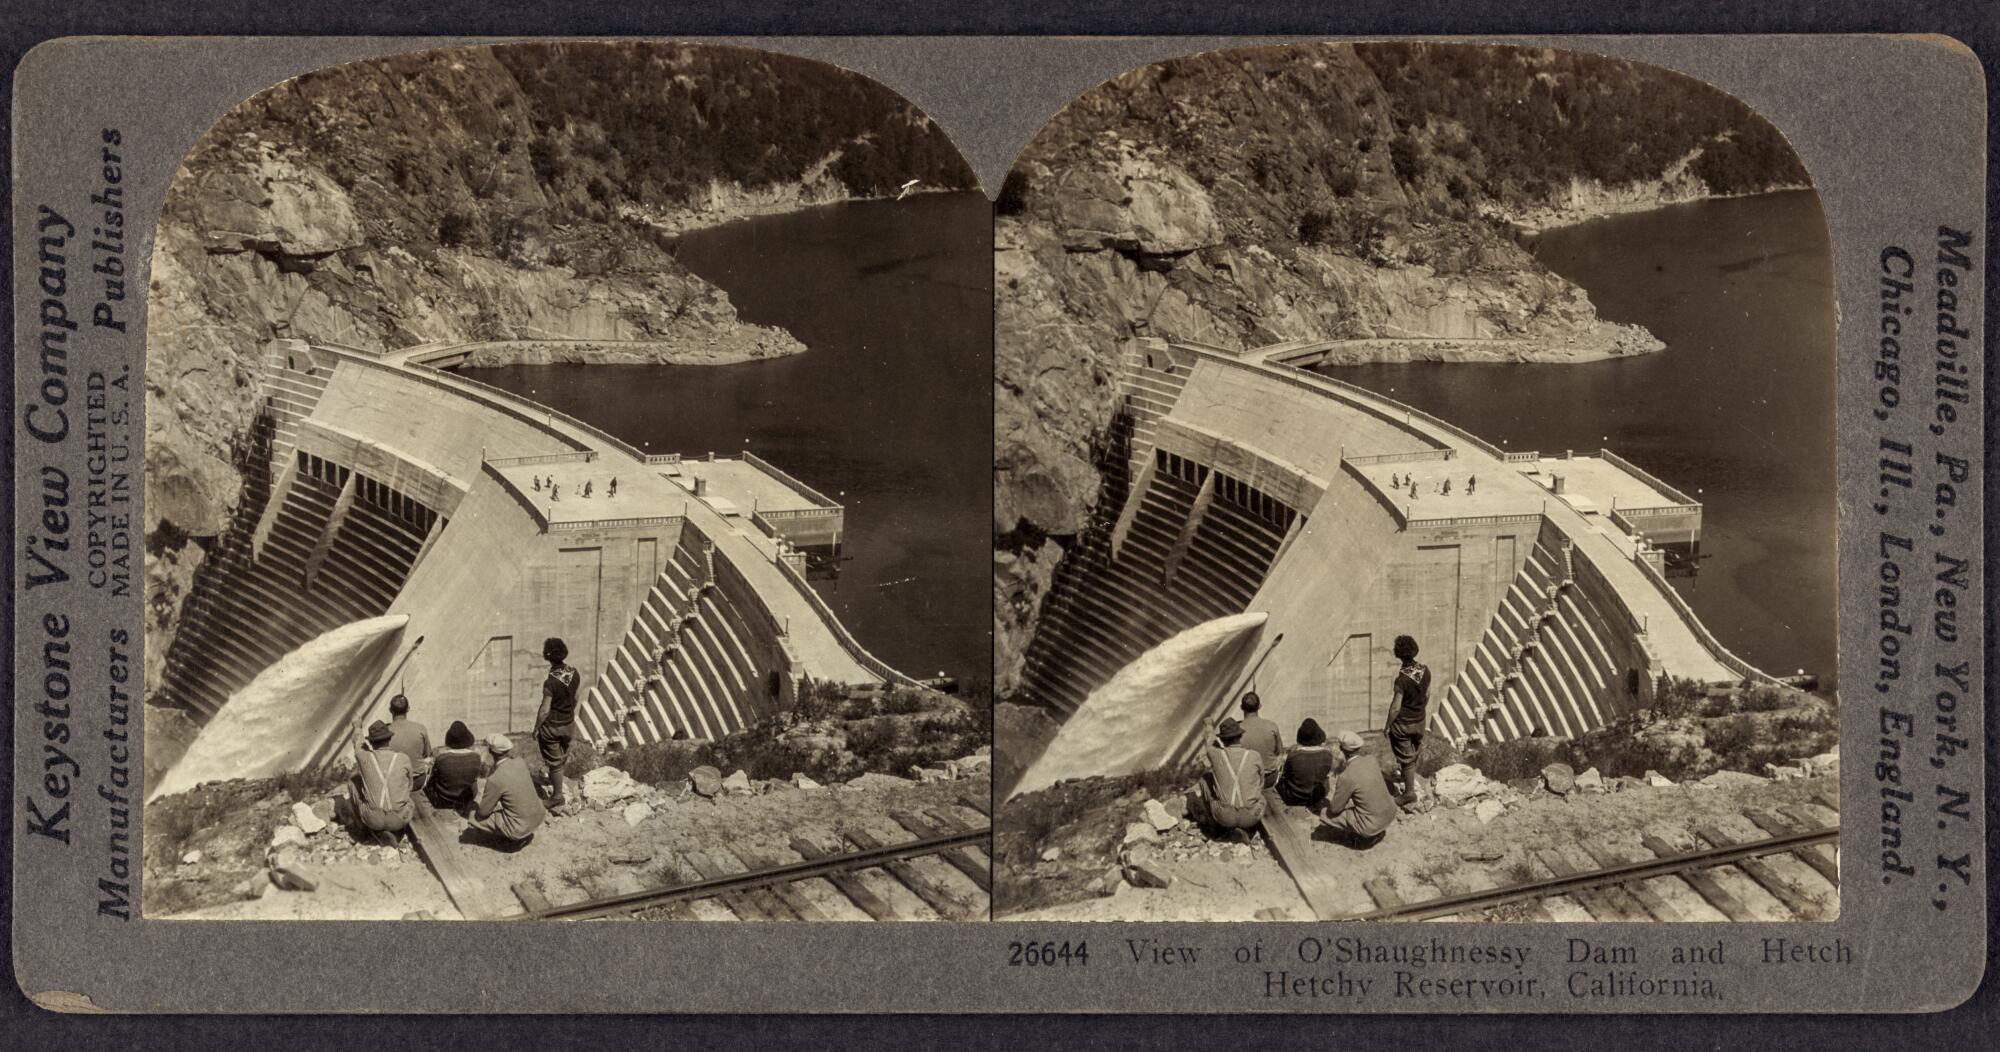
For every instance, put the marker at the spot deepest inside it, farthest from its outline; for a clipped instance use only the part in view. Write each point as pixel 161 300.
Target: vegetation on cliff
pixel 1325 191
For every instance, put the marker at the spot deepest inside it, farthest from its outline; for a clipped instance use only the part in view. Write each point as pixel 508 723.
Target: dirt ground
pixel 594 853
pixel 1449 850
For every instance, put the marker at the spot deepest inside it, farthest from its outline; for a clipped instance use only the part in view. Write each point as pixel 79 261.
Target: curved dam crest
pixel 271 726
pixel 1142 717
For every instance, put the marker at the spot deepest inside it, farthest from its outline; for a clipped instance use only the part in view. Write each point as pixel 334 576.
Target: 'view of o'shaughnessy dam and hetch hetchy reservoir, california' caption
pixel 565 497
pixel 1412 497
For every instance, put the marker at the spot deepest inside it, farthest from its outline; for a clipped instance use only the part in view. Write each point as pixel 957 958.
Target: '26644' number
pixel 1048 954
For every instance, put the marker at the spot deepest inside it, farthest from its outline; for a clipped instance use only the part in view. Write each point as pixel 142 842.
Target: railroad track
pixel 852 867
pixel 1675 884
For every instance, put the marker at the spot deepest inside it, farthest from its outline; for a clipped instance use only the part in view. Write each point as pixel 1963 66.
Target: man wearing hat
pixel 1359 809
pixel 1231 794
pixel 1308 769
pixel 380 797
pixel 509 807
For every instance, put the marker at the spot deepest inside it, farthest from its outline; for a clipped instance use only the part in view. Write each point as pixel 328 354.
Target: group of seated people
pixel 1341 783
pixel 485 781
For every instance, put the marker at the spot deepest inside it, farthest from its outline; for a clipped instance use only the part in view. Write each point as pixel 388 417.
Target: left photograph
pixel 567 497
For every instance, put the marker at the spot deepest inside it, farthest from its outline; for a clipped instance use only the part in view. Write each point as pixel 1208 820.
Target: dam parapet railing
pixel 1410 457
pixel 1358 397
pixel 1722 654
pixel 847 641
pixel 791 483
pixel 1647 477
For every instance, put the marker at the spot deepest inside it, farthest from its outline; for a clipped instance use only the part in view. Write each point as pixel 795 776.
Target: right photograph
pixel 1413 497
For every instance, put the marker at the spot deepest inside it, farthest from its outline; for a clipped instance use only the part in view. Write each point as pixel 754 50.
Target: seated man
pixel 1261 737
pixel 1359 809
pixel 410 738
pixel 456 770
pixel 1231 793
pixel 1308 770
pixel 509 807
pixel 379 800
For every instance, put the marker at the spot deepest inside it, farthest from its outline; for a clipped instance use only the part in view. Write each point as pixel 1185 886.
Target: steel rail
pixel 1658 867
pixel 632 902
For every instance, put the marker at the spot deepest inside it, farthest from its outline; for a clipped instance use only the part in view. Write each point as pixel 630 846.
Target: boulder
pixel 1788 772
pixel 1658 780
pixel 1825 763
pixel 287 834
pixel 877 780
pixel 1109 882
pixel 1455 784
pixel 1052 854
pixel 1147 873
pixel 191 858
pixel 705 780
pixel 254 887
pixel 1488 810
pixel 637 811
pixel 294 877
pixel 323 808
pixel 737 782
pixel 308 820
pixel 1590 782
pixel 1730 780
pixel 604 786
pixel 802 782
pixel 1140 833
pixel 1558 778
pixel 928 775
pixel 1159 817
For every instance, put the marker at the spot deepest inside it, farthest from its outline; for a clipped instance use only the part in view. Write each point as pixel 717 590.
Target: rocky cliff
pixel 523 192
pixel 1371 194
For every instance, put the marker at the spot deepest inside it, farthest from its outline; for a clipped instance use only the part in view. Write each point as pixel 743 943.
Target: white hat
pixel 500 744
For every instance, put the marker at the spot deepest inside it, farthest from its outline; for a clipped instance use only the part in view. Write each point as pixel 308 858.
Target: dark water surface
pixel 889 411
pixel 1737 411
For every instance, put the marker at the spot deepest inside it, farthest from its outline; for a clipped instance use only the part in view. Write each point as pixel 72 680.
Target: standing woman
pixel 1408 715
pixel 555 722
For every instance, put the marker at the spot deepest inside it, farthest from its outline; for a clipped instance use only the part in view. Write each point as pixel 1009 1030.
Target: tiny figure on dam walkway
pixel 555 721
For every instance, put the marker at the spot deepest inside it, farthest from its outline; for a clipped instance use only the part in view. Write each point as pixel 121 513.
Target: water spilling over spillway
pixel 1141 718
pixel 278 719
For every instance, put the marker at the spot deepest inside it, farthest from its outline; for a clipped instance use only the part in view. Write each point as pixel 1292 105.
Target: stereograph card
pixel 465 487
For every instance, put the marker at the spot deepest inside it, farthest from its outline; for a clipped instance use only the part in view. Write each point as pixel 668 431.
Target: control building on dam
pixel 1536 587
pixel 388 485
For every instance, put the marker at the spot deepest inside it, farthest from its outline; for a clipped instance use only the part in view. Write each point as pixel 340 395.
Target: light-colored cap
pixel 500 744
pixel 1350 742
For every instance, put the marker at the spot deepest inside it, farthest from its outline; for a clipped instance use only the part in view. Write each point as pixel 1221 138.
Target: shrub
pixel 1343 182
pixel 1315 226
pixel 1407 158
pixel 454 230
pixel 1013 198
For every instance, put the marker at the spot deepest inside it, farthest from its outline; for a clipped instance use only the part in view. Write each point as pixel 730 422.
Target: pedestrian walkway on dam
pixel 819 642
pixel 1512 487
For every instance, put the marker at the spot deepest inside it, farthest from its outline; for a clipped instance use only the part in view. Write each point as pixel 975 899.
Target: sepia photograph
pixel 565 487
pixel 1414 497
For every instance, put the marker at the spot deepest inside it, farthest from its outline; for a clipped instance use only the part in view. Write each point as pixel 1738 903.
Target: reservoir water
pixel 889 411
pixel 1737 411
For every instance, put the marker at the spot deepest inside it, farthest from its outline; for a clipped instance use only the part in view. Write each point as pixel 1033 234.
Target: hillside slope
pixel 476 193
pixel 1328 191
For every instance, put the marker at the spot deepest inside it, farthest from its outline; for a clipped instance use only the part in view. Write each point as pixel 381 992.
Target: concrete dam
pixel 1535 583
pixel 385 485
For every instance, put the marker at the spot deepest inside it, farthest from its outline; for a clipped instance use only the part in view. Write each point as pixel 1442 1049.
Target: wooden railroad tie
pixel 1699 879
pixel 751 904
pixel 1650 900
pixel 849 883
pixel 1813 855
pixel 1766 877
pixel 789 893
pixel 961 859
pixel 948 903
